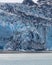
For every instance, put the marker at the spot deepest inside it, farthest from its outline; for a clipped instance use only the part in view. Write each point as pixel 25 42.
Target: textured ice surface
pixel 26 26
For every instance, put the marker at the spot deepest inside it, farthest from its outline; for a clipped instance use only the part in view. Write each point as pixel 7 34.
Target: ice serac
pixel 28 2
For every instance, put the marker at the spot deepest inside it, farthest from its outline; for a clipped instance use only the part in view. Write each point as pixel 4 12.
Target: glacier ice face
pixel 25 37
pixel 46 7
pixel 25 27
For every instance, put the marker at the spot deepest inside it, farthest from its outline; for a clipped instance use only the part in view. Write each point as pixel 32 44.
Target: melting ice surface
pixel 26 26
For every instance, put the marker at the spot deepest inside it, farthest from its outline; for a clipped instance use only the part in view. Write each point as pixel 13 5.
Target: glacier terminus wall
pixel 26 26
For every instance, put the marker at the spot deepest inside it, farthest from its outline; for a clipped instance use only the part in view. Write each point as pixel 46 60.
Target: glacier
pixel 26 26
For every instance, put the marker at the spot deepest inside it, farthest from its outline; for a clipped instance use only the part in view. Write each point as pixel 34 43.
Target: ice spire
pixel 28 2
